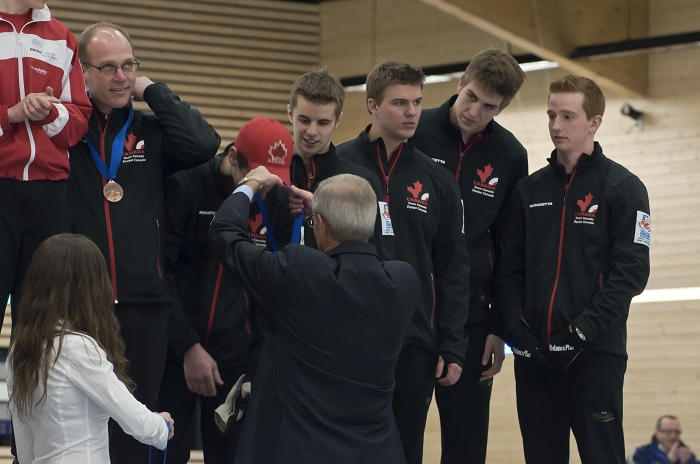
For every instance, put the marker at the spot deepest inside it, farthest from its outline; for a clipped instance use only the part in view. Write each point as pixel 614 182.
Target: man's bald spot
pixel 103 30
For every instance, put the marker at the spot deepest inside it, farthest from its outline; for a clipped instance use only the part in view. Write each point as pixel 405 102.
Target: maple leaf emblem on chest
pixel 583 204
pixel 129 142
pixel 255 223
pixel 416 189
pixel 485 173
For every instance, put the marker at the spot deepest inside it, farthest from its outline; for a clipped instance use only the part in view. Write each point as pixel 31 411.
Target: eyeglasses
pixel 131 66
pixel 669 431
pixel 311 221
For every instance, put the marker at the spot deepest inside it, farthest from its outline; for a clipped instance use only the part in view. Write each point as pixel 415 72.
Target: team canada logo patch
pixel 486 183
pixel 257 230
pixel 642 229
pixel 418 199
pixel 278 153
pixel 587 211
pixel 135 152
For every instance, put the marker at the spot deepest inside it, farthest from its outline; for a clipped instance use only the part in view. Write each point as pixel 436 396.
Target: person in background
pixel 666 446
pixel 66 371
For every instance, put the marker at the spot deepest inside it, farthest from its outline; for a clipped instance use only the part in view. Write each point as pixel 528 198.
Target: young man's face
pixel 474 108
pixel 397 116
pixel 313 126
pixel 571 131
pixel 109 91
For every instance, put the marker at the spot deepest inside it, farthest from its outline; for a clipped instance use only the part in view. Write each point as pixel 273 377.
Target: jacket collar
pixel 41 15
pixel 585 162
pixel 223 182
pixel 114 121
pixel 321 163
pixel 353 247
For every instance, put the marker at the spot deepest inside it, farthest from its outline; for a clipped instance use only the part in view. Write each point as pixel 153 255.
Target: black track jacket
pixel 427 219
pixel 576 251
pixel 129 232
pixel 486 173
pixel 208 306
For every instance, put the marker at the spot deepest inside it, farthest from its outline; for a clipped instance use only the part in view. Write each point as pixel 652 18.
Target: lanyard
pixel 165 451
pixel 296 232
pixel 117 149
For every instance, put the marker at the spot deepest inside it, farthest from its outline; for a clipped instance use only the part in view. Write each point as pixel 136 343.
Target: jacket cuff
pixel 51 117
pixel 4 119
pixel 450 358
pixel 180 345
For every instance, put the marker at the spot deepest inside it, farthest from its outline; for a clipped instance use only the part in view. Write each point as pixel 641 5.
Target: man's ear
pixel 594 123
pixel 372 106
pixel 290 113
pixel 337 120
pixel 232 155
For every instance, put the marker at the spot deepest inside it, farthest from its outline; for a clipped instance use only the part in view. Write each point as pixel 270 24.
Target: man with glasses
pixel 666 446
pixel 116 192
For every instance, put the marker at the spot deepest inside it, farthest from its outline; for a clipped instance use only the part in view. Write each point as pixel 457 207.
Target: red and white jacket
pixel 43 54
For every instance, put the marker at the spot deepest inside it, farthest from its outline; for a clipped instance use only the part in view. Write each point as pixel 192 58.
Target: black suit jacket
pixel 324 385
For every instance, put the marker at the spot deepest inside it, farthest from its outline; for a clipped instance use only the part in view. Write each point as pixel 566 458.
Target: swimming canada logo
pixel 642 233
pixel 135 151
pixel 587 212
pixel 417 200
pixel 257 231
pixel 485 186
pixel 278 152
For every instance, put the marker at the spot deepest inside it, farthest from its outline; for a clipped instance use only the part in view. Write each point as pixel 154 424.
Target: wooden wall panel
pixel 231 60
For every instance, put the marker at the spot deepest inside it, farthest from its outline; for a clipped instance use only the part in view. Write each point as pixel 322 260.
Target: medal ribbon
pixel 117 149
pixel 296 232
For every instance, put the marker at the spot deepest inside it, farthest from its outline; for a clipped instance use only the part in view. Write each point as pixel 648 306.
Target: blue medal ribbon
pixel 296 232
pixel 117 149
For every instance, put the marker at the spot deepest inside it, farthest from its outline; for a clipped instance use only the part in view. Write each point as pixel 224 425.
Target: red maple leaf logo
pixel 583 204
pixel 255 224
pixel 416 189
pixel 278 152
pixel 129 142
pixel 484 175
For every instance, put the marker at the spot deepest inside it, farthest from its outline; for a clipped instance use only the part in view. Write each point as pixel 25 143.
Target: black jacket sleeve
pixel 181 333
pixel 260 272
pixel 628 265
pixel 510 283
pixel 189 139
pixel 496 322
pixel 451 280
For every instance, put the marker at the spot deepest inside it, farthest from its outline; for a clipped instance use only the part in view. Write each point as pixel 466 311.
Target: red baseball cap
pixel 266 142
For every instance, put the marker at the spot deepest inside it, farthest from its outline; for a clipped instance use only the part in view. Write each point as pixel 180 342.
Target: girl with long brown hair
pixel 66 369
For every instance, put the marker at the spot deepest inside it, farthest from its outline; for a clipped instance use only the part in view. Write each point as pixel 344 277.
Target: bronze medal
pixel 113 192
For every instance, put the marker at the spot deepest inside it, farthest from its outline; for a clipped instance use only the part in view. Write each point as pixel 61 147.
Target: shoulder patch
pixel 642 229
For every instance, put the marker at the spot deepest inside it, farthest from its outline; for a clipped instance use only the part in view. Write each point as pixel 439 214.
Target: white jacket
pixel 83 393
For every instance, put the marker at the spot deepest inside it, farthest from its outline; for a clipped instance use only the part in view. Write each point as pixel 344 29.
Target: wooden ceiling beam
pixel 552 30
